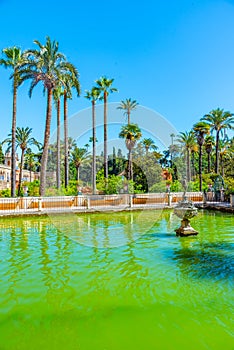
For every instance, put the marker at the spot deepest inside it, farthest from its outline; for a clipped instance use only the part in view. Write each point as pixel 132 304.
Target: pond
pixel 112 281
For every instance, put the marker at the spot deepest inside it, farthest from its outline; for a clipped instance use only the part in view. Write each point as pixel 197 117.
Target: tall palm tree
pixel 208 144
pixel 94 95
pixel 45 64
pixel 23 140
pixel 187 139
pixel 131 133
pixel 201 129
pixel 70 80
pixel 78 156
pixel 104 85
pixel 13 58
pixel 219 121
pixel 148 143
pixel 57 93
pixel 128 106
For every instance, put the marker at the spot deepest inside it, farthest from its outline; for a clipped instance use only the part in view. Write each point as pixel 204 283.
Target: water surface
pixel 114 281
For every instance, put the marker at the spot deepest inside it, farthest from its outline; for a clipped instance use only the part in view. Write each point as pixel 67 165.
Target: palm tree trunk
pixel 130 172
pixel 200 167
pixel 208 162
pixel 21 170
pixel 78 174
pixel 46 143
pixel 128 117
pixel 13 142
pixel 221 166
pixel 193 166
pixel 58 145
pixel 30 174
pixel 105 137
pixel 188 166
pixel 217 153
pixel 94 148
pixel 65 142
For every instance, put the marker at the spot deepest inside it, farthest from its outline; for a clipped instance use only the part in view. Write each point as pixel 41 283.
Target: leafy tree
pixel 219 121
pixel 104 85
pixel 13 58
pixel 128 106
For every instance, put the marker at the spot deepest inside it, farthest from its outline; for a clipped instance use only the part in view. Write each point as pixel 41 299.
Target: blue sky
pixel 175 57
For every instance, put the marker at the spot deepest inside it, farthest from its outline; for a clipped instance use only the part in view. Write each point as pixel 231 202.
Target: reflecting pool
pixel 116 281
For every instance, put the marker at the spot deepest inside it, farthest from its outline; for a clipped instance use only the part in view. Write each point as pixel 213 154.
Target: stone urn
pixel 185 210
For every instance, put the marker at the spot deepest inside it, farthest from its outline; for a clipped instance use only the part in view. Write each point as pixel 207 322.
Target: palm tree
pixel 219 121
pixel 148 143
pixel 13 58
pixel 131 133
pixel 78 156
pixel 31 162
pixel 46 64
pixel 128 106
pixel 23 140
pixel 209 143
pixel 70 80
pixel 187 139
pixel 94 95
pixel 57 93
pixel 104 85
pixel 201 129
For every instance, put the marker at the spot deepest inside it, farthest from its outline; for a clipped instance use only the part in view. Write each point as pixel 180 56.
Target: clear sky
pixel 175 57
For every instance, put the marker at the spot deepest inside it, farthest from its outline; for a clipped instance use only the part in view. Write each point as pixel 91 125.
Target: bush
pixel 5 193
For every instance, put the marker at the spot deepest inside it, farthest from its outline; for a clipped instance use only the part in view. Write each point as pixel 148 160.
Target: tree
pixel 1 155
pixel 94 95
pixel 148 143
pixel 218 121
pixel 128 106
pixel 200 129
pixel 209 143
pixel 13 58
pixel 23 140
pixel 187 139
pixel 57 93
pixel 70 80
pixel 78 155
pixel 104 85
pixel 47 65
pixel 31 162
pixel 131 133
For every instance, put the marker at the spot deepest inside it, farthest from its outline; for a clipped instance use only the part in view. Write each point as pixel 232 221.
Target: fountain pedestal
pixel 185 210
pixel 185 229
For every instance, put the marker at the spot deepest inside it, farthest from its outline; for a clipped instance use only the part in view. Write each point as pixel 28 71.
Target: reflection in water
pixel 58 284
pixel 80 228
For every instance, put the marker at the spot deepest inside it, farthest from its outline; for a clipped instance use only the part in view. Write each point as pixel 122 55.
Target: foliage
pixel 5 193
pixel 1 155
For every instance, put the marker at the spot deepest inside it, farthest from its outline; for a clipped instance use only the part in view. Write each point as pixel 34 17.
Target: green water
pixel 116 281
